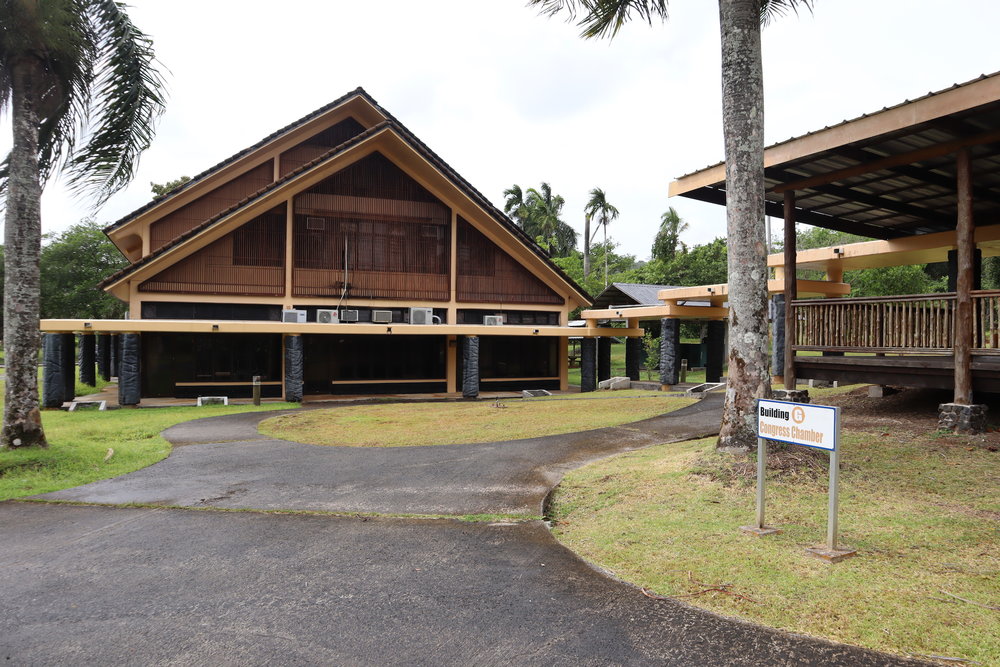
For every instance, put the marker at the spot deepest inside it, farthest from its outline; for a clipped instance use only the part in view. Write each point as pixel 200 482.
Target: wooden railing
pixel 918 323
pixel 986 321
pixel 914 323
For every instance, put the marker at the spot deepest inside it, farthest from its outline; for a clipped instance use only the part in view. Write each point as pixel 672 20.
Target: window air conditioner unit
pixel 421 316
pixel 382 316
pixel 348 316
pixel 294 316
pixel 493 320
pixel 327 316
pixel 315 224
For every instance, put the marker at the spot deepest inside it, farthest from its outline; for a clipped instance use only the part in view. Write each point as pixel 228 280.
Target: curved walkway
pixel 86 585
pixel 233 466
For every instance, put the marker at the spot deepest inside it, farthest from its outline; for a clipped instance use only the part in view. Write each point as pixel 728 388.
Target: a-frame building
pixel 435 290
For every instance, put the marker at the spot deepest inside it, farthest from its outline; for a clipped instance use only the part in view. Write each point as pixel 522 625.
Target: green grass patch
pixel 450 423
pixel 79 443
pixel 923 513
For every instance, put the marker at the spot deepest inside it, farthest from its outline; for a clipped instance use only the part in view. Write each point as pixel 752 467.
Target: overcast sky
pixel 506 96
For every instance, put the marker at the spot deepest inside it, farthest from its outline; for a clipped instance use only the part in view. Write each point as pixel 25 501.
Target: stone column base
pixel 791 395
pixel 960 418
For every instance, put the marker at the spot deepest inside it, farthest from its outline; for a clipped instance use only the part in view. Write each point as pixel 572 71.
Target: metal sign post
pixel 759 528
pixel 815 426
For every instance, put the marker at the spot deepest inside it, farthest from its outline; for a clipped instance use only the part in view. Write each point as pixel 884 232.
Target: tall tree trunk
pixel 605 254
pixel 22 423
pixel 586 246
pixel 743 126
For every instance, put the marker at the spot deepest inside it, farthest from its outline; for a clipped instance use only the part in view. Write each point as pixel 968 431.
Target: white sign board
pixel 798 423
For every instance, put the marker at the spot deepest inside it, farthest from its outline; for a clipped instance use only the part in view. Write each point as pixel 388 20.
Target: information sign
pixel 798 423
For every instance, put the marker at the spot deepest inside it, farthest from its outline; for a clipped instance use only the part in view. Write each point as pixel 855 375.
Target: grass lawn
pixel 79 442
pixel 450 423
pixel 922 511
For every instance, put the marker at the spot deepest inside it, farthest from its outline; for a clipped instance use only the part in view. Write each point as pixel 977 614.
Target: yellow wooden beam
pixel 261 326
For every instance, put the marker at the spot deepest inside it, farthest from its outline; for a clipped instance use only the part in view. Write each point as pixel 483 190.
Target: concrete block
pixel 213 400
pixel 615 384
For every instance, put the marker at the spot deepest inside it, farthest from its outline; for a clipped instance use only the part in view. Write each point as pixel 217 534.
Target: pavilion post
pixel 88 351
pixel 603 358
pixel 670 351
pixel 68 360
pixel 588 364
pixel 53 382
pixel 470 367
pixel 716 352
pixel 791 289
pixel 130 370
pixel 294 367
pixel 965 242
pixel 633 357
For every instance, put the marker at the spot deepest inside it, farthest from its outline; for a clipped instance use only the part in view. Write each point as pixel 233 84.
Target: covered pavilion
pixel 918 177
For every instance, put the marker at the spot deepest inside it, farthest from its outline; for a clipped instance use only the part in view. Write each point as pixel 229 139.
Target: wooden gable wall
pixel 250 260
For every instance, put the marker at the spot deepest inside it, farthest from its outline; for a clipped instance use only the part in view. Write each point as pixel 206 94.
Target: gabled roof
pixel 357 92
pixel 629 294
pixel 391 125
pixel 887 174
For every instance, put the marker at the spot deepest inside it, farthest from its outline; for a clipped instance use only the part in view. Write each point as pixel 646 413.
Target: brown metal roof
pixel 885 175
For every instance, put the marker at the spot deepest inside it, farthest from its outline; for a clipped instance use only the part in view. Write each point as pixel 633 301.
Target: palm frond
pixel 128 98
pixel 773 9
pixel 603 18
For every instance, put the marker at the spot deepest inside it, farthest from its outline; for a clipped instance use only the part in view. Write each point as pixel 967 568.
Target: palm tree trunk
pixel 743 126
pixel 586 246
pixel 22 423
pixel 605 253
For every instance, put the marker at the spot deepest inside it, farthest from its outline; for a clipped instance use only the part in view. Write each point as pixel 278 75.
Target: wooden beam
pixel 890 161
pixel 791 293
pixel 965 233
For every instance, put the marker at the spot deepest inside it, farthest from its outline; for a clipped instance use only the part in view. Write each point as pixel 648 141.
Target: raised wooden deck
pixel 935 371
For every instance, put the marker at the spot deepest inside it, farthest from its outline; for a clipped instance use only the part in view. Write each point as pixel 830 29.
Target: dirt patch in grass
pixel 451 423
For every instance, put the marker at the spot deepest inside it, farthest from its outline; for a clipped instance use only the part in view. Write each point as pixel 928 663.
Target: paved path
pixel 234 466
pixel 103 585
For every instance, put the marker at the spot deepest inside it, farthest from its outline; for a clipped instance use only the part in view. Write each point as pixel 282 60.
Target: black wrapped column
pixel 716 351
pixel 778 336
pixel 588 364
pixel 603 358
pixel 670 350
pixel 294 367
pixel 633 357
pixel 129 370
pixel 53 368
pixel 103 354
pixel 116 352
pixel 68 359
pixel 88 353
pixel 470 367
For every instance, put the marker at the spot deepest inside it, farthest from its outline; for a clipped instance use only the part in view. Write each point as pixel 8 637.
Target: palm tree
pixel 68 68
pixel 740 22
pixel 665 243
pixel 597 207
pixel 514 204
pixel 537 212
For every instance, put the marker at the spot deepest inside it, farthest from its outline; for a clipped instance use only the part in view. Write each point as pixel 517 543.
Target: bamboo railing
pixel 916 324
